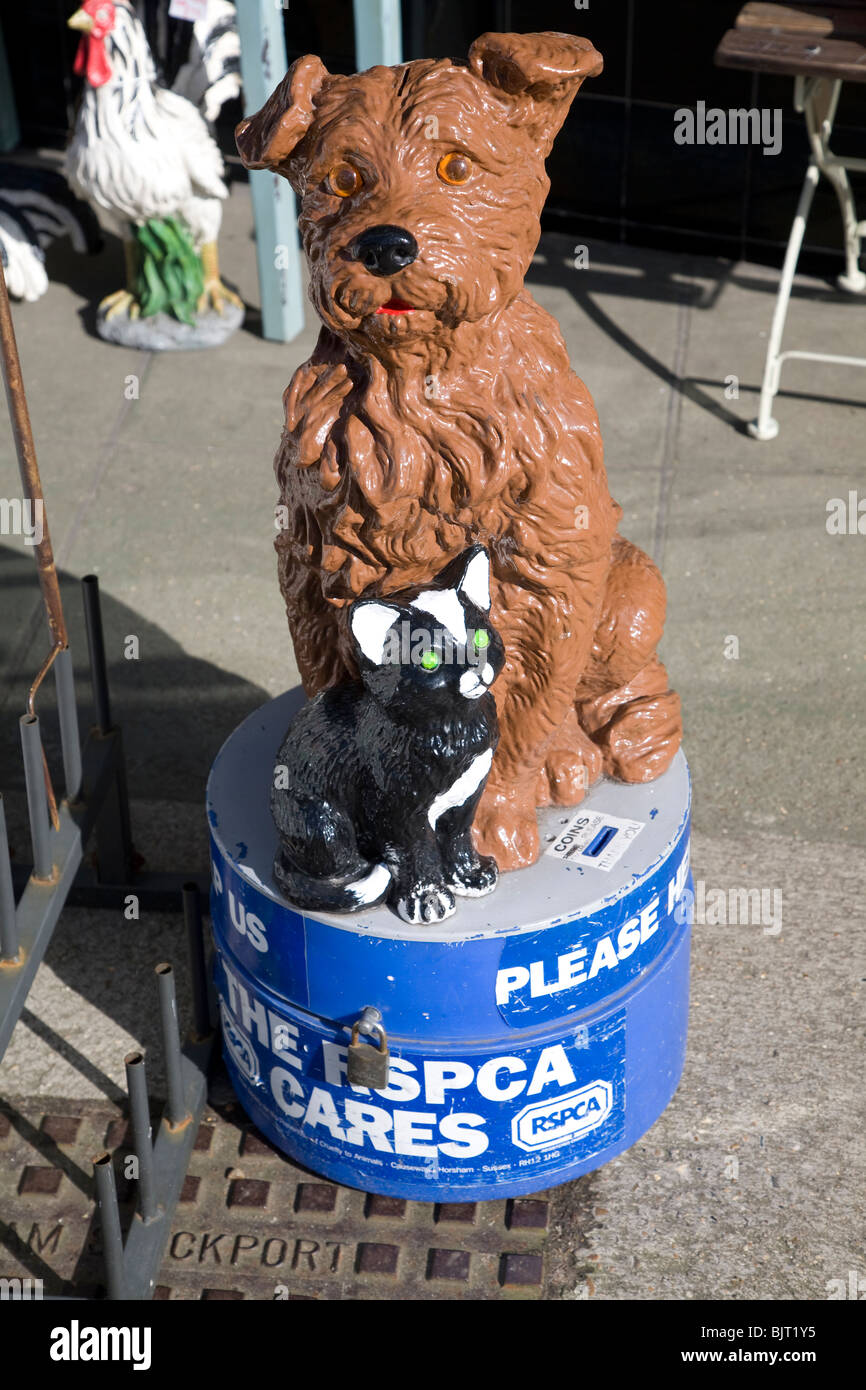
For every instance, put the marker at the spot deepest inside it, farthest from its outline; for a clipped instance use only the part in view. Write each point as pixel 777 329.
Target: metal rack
pixel 131 1267
pixel 96 807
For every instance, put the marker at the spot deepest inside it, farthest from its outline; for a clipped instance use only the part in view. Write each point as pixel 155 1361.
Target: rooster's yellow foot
pixel 121 302
pixel 215 295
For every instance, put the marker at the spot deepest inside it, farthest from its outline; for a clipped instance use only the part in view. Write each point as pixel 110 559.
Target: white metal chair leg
pixel 818 99
pixel 853 280
pixel 765 427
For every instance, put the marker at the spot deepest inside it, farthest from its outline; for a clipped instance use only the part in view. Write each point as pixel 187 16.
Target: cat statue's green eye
pixel 430 660
pixel 482 638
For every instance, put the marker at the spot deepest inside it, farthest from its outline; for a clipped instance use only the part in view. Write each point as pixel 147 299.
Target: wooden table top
pixel 814 40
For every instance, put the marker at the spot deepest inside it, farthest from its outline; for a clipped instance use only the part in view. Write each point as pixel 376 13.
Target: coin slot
pixel 600 842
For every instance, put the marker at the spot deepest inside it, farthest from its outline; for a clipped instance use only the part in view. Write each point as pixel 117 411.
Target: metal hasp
pixel 131 1268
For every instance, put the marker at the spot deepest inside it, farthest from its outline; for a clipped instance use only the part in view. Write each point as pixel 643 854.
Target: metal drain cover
pixel 251 1224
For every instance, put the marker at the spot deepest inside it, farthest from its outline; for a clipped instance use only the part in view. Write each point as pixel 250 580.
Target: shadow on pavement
pixel 175 710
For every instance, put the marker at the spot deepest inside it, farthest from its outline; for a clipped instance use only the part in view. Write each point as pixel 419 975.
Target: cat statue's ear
pixel 468 575
pixel 474 583
pixel 370 622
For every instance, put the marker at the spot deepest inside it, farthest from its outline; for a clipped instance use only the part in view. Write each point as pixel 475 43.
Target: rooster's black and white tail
pixel 37 207
pixel 211 75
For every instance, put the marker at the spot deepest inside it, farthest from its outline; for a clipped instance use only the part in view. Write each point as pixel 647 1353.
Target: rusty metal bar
pixel 112 1240
pixel 176 1108
pixel 142 1134
pixel 31 483
pixel 37 803
pixel 29 468
pixel 8 918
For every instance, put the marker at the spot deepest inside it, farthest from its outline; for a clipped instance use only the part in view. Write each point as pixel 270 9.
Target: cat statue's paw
pixel 473 880
pixel 425 905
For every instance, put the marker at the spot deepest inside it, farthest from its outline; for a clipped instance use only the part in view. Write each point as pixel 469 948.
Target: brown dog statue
pixel 439 409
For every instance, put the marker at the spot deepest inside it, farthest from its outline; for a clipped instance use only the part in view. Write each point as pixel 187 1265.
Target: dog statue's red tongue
pixel 395 306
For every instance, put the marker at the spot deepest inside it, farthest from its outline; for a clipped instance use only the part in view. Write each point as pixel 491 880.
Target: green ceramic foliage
pixel 169 277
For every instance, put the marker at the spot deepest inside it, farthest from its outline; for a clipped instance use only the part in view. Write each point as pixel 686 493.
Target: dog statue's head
pixel 420 186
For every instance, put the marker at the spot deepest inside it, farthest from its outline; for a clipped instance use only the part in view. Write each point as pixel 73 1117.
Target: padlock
pixel 367 1063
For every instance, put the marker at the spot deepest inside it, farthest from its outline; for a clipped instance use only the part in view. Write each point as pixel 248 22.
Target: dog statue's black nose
pixel 384 250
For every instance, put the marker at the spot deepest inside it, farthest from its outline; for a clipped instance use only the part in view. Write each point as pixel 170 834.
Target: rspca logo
pixel 564 1119
pixel 239 1047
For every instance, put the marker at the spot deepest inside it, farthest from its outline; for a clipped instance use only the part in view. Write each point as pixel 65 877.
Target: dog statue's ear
pixel 541 71
pixel 267 139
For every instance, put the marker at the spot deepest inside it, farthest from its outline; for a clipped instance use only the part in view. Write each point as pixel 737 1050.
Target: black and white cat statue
pixel 377 780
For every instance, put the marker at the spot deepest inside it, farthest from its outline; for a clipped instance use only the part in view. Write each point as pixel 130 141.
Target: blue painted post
pixel 378 38
pixel 263 65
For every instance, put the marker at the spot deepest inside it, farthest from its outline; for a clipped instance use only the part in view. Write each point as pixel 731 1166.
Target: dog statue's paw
pixel 567 776
pixel 506 828
pixel 570 767
pixel 426 904
pixel 640 741
pixel 474 879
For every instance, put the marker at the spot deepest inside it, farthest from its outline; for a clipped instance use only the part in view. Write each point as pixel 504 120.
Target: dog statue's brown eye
pixel 454 167
pixel 344 180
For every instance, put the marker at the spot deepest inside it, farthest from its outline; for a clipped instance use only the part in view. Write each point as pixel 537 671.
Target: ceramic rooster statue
pixel 144 156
